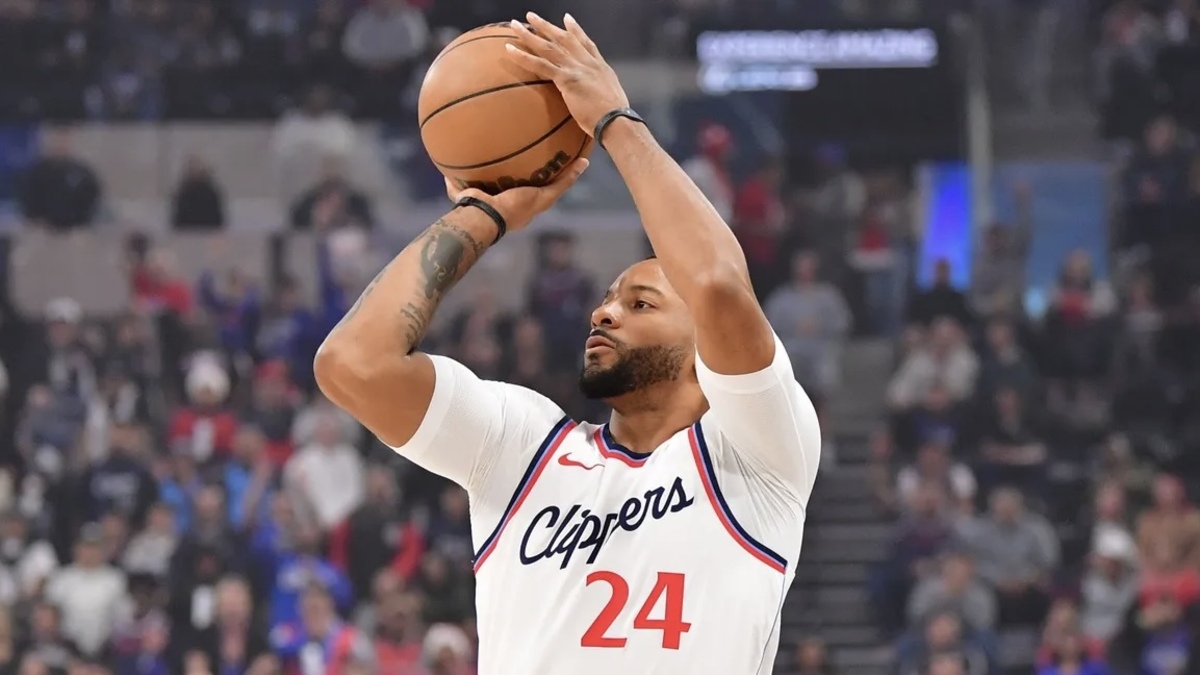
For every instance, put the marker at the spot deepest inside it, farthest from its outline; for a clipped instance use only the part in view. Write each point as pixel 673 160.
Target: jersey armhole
pixel 708 478
pixel 534 471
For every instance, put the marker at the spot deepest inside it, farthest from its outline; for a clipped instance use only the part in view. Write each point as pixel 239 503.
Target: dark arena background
pixel 1001 327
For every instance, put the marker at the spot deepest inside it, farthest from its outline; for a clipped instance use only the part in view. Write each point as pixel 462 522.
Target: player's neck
pixel 645 420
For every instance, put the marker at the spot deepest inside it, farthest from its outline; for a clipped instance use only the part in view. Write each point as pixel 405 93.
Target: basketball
pixel 489 124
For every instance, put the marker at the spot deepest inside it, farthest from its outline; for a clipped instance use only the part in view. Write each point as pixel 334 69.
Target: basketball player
pixel 661 542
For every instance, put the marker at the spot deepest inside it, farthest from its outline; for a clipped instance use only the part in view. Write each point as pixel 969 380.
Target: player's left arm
pixel 743 370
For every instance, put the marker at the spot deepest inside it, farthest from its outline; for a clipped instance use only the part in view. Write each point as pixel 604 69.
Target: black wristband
pixel 501 225
pixel 598 131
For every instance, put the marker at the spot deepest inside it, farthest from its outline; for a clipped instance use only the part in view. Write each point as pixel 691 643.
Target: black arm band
pixel 501 225
pixel 598 131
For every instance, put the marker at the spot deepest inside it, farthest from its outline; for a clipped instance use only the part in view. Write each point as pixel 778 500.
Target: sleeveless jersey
pixel 592 559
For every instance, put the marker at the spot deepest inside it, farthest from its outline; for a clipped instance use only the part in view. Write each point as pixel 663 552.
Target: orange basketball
pixel 489 124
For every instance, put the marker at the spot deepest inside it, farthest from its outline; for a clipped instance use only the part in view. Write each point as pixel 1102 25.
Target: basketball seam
pixel 510 155
pixel 482 92
pixel 474 39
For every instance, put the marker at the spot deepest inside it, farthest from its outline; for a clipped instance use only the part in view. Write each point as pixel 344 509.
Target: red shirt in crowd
pixel 203 435
pixel 154 293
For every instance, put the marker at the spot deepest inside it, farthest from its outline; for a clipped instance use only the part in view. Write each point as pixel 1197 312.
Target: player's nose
pixel 607 315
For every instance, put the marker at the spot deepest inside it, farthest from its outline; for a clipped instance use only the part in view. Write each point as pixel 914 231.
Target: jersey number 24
pixel 668 588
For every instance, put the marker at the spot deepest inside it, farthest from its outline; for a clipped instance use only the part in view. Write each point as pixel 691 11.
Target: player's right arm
pixel 369 366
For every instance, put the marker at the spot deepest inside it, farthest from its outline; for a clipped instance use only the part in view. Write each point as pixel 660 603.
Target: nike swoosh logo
pixel 567 461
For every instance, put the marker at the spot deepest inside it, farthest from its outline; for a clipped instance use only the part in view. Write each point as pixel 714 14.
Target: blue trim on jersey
pixel 614 445
pixel 533 464
pixel 706 458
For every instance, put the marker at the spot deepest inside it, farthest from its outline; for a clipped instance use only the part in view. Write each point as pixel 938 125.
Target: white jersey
pixel 593 559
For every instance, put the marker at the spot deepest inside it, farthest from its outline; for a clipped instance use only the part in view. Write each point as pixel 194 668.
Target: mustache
pixel 600 332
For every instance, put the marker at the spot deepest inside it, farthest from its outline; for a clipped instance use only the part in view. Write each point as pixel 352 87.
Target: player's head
pixel 642 335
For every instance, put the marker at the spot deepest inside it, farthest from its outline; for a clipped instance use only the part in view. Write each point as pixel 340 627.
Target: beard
pixel 635 369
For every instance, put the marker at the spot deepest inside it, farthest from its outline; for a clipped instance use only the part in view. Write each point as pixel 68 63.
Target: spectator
pixel 812 319
pixel 1012 451
pixel 272 409
pixel 709 168
pixel 384 38
pixel 1109 587
pixel 1181 23
pixel 758 222
pixel 327 476
pixel 447 590
pixel 1170 527
pixel 396 639
pixel 448 650
pixel 481 334
pixel 946 361
pixel 450 528
pixel 318 641
pixel 198 203
pixel 150 550
pixel 1017 552
pixel 331 204
pixel 1167 642
pixel 561 297
pixel 44 638
pixel 233 305
pixel 59 190
pixel 141 634
pixel 321 36
pixel 90 593
pixel 297 569
pixel 943 645
pixel 209 538
pixel 1076 325
pixel 955 589
pixel 121 483
pixel 935 468
pixel 29 558
pixel 249 479
pixel 309 139
pixel 1069 656
pixel 288 332
pixel 1005 364
pixel 812 658
pixel 204 42
pixel 1156 175
pixel 919 539
pixel 377 536
pixel 941 300
pixel 204 430
pixel 998 272
pixel 231 643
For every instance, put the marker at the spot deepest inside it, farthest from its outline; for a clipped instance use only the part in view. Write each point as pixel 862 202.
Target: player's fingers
pixel 535 64
pixel 575 29
pixel 551 32
pixel 534 43
pixel 453 191
pixel 567 178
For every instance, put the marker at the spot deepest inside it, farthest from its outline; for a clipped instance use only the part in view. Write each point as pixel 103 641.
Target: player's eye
pixel 641 304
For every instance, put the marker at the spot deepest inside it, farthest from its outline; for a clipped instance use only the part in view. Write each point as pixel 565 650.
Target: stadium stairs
pixel 846 532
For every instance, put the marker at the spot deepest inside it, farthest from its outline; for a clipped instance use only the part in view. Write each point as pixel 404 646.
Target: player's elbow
pixel 347 371
pixel 339 369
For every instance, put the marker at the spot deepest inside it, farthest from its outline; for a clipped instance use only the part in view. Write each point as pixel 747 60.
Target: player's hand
pixel 569 57
pixel 521 205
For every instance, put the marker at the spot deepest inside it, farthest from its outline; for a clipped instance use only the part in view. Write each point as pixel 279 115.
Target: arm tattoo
pixel 445 252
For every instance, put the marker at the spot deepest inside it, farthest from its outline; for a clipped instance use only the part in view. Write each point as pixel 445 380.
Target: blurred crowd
pixel 1043 467
pixel 215 59
pixel 1146 64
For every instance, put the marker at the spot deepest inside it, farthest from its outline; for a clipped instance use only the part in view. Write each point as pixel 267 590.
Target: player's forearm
pixel 392 315
pixel 693 244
